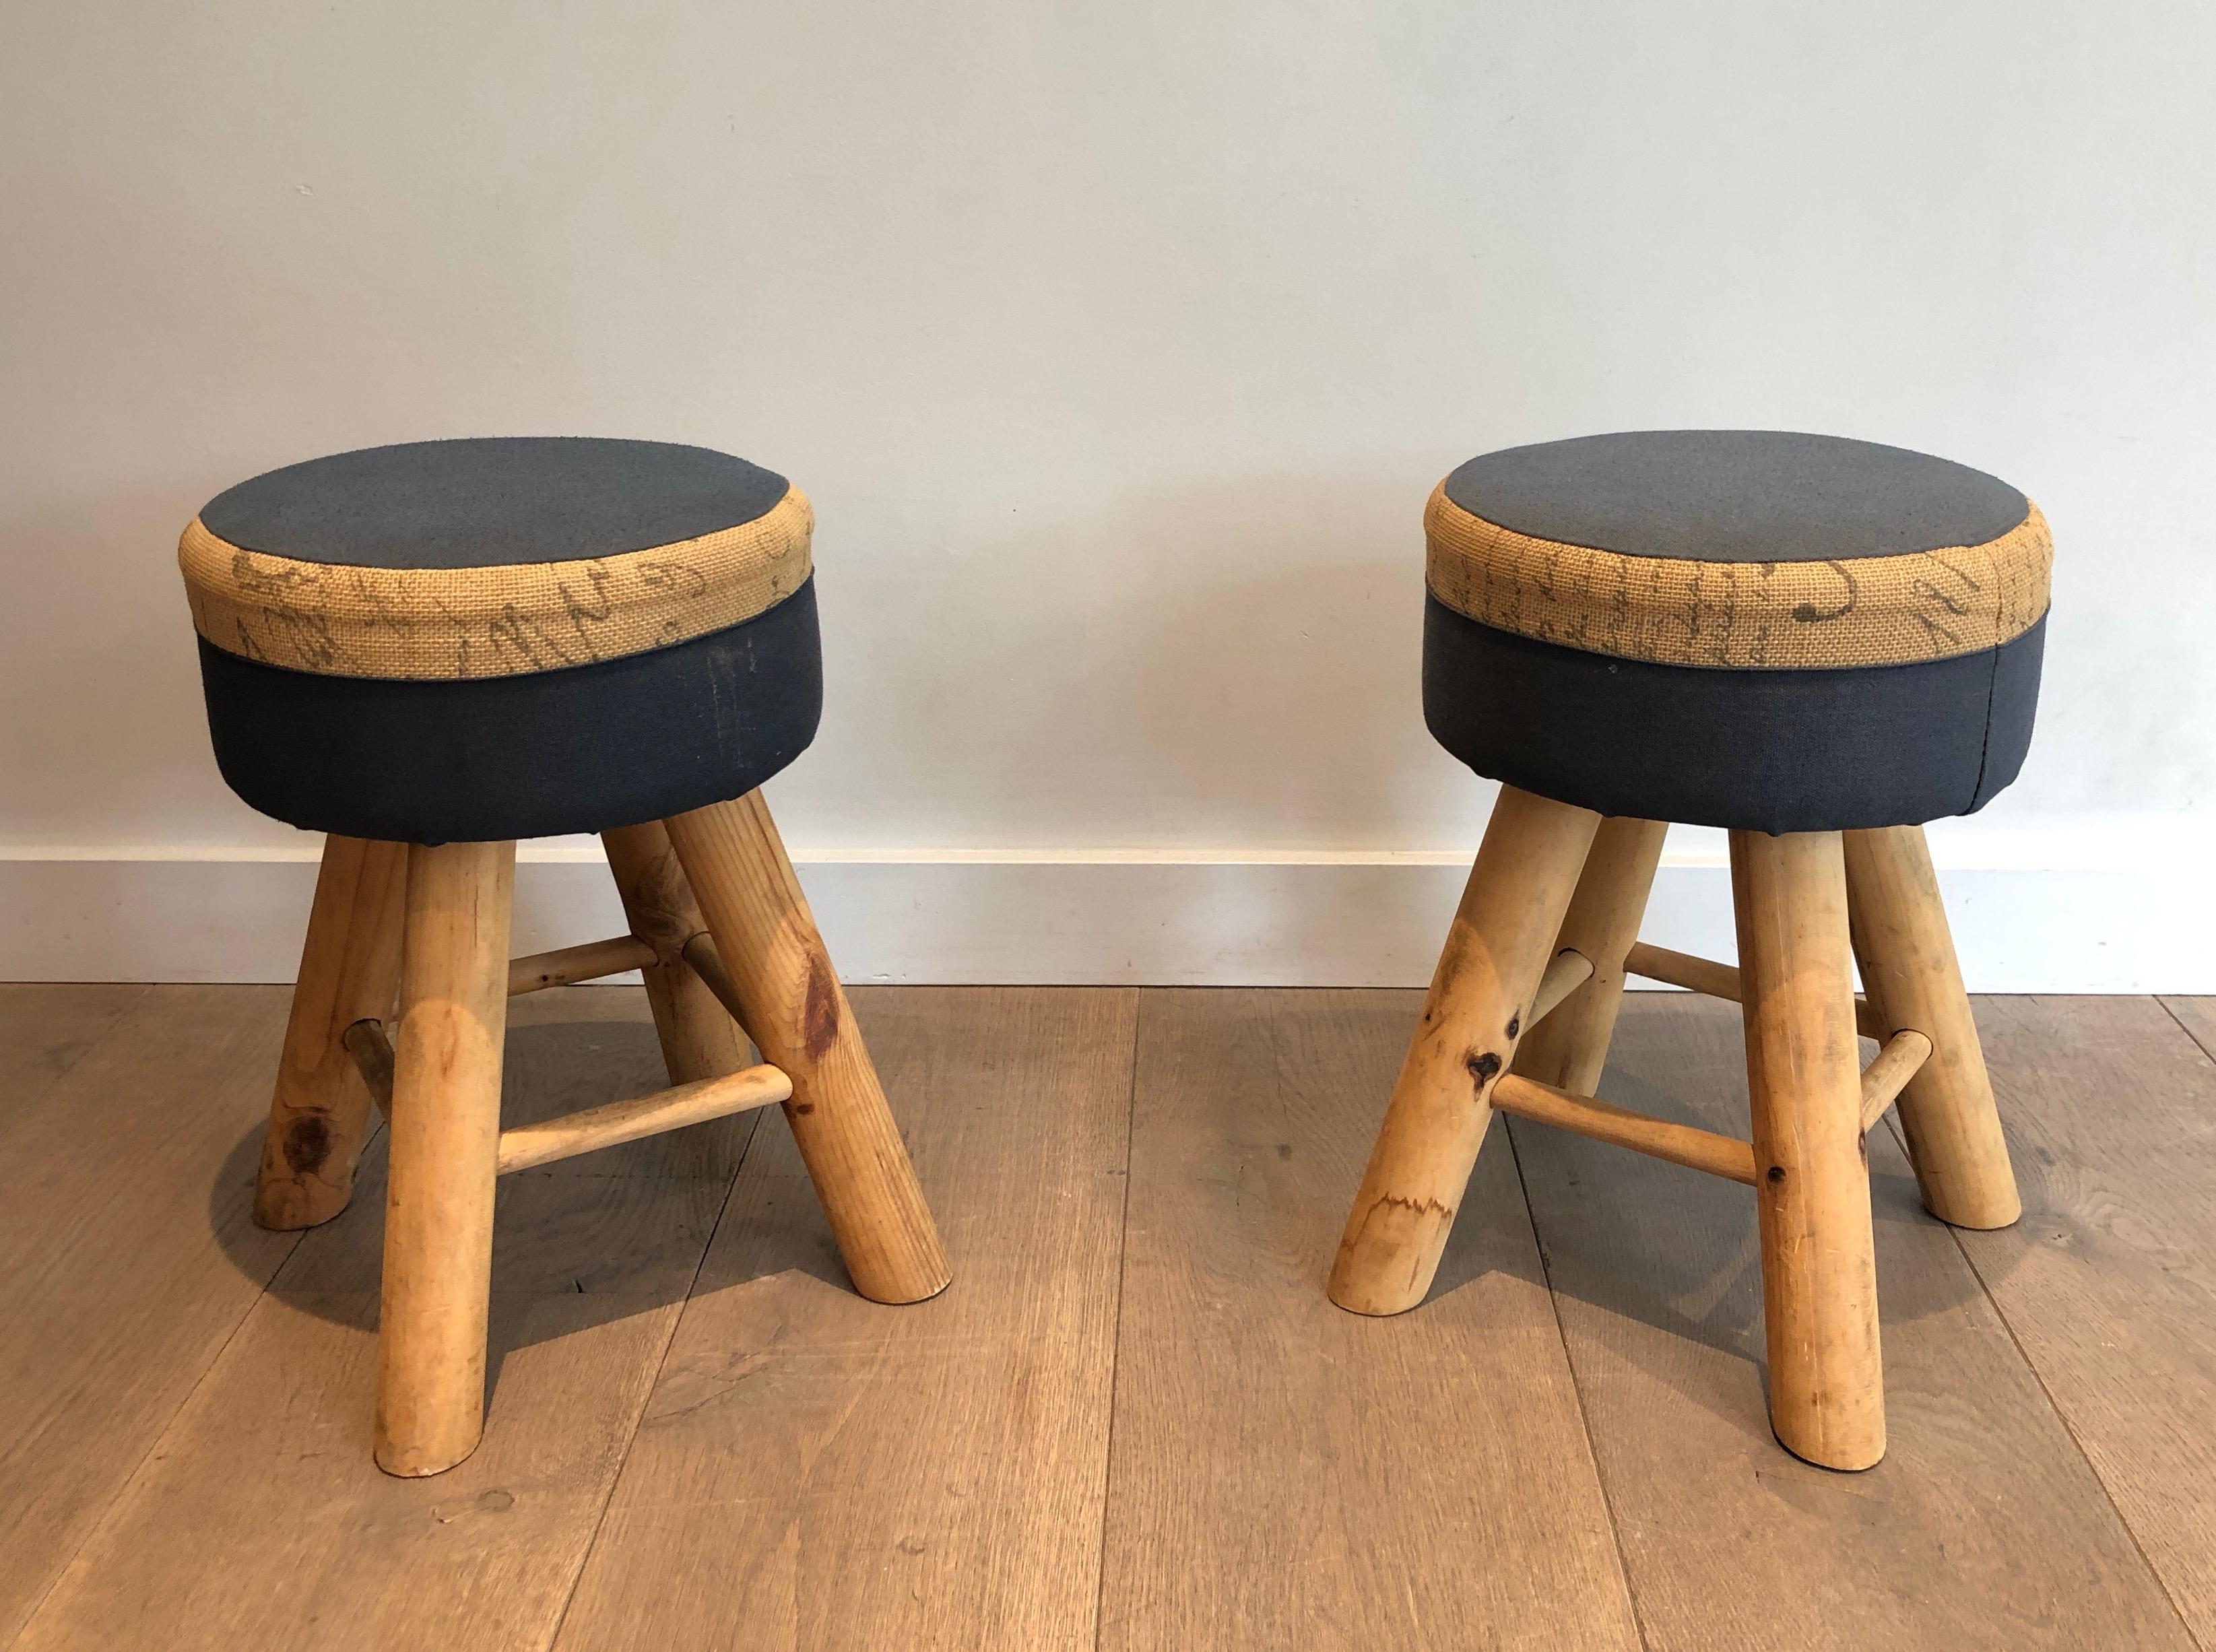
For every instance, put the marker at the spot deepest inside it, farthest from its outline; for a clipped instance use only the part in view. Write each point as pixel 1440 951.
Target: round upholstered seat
pixel 1756 629
pixel 474 640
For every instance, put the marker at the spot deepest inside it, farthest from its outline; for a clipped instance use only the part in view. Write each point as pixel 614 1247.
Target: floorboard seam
pixel 646 1400
pixel 369 1139
pixel 1115 1336
pixel 277 1272
pixel 1577 1391
pixel 1893 1123
pixel 2183 1027
pixel 154 1444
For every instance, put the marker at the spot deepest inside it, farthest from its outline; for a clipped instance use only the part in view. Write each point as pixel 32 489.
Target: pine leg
pixel 1569 1049
pixel 1910 973
pixel 1511 909
pixel 700 1040
pixel 790 1000
pixel 1812 1185
pixel 349 972
pixel 444 1159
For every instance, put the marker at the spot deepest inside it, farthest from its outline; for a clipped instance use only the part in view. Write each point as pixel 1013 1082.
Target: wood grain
pixel 789 999
pixel 823 1472
pixel 2109 1281
pixel 1480 998
pixel 588 961
pixel 598 1128
pixel 1567 971
pixel 1812 1188
pixel 1906 952
pixel 259 1520
pixel 1729 1156
pixel 1568 1049
pixel 319 1111
pixel 1896 1061
pixel 1288 1474
pixel 44 1030
pixel 2196 1015
pixel 700 1040
pixel 126 1186
pixel 1983 1528
pixel 443 1146
pixel 1716 980
pixel 816 1470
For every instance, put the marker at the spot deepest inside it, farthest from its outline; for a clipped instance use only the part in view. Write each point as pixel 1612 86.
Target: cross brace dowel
pixel 1902 1056
pixel 1567 971
pixel 530 1144
pixel 566 966
pixel 1680 1144
pixel 1683 1144
pixel 595 1128
pixel 1716 980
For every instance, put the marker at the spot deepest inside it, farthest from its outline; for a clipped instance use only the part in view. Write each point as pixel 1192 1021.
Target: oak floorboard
pixel 260 1520
pixel 816 1470
pixel 184 1456
pixel 1286 1473
pixel 2109 1280
pixel 46 1028
pixel 128 1253
pixel 1983 1528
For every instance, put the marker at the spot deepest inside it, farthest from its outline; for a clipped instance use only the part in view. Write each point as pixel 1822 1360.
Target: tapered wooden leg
pixel 700 1040
pixel 790 997
pixel 349 970
pixel 1569 1049
pixel 446 1154
pixel 1812 1171
pixel 1910 974
pixel 1526 870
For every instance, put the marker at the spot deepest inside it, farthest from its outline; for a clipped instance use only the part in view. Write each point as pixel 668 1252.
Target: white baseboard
pixel 1356 920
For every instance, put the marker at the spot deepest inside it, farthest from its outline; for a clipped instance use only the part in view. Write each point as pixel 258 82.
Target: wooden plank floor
pixel 1984 1526
pixel 1134 1421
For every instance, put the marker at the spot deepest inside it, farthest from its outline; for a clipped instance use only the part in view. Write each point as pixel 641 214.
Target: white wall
pixel 1118 348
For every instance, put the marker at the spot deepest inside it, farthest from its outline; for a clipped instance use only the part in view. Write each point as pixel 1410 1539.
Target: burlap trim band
pixel 344 620
pixel 1864 610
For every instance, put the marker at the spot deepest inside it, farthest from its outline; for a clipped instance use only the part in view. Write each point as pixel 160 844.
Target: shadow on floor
pixel 626 1227
pixel 1656 1245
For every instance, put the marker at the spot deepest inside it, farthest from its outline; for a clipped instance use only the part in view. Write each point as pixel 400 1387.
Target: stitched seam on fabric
pixel 1985 735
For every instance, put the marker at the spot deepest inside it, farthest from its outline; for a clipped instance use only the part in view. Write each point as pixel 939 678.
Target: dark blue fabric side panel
pixel 1761 751
pixel 581 750
pixel 2015 702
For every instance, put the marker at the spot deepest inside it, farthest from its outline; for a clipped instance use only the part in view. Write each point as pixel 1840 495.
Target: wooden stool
pixel 1819 644
pixel 430 651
